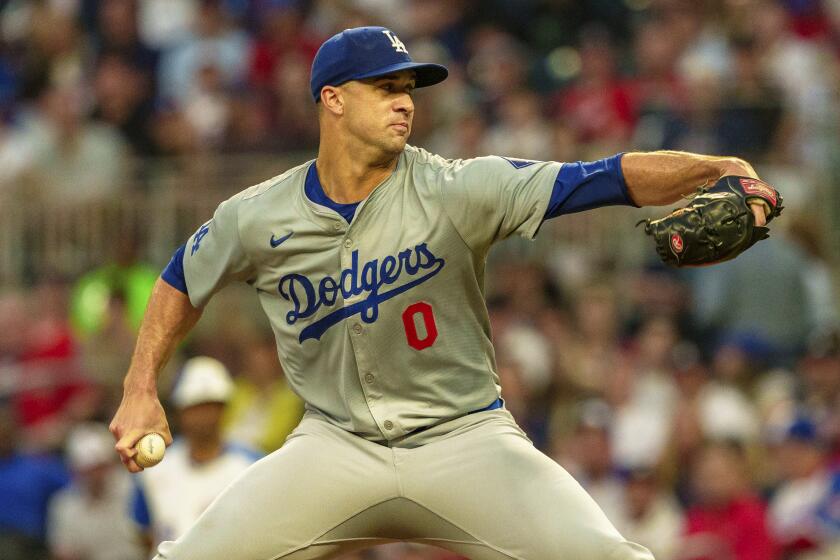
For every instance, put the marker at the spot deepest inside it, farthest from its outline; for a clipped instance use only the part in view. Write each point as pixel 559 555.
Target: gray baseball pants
pixel 474 485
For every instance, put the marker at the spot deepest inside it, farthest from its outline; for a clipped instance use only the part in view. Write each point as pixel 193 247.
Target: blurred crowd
pixel 700 409
pixel 86 86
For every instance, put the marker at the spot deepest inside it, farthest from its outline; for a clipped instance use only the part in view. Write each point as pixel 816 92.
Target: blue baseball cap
pixel 367 52
pixel 802 429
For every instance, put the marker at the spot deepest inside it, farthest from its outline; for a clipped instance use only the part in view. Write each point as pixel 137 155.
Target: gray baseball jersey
pixel 381 324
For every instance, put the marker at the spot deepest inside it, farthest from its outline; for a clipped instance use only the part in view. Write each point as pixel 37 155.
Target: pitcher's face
pixel 380 110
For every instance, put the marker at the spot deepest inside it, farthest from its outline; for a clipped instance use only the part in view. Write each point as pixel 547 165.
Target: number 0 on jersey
pixel 420 315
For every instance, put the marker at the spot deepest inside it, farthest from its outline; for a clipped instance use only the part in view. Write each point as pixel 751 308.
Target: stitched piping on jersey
pixel 301 291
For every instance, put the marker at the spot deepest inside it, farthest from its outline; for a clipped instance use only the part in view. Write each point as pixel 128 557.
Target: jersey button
pixel 388 425
pixel 357 328
pixel 337 226
pixel 348 243
pixel 369 378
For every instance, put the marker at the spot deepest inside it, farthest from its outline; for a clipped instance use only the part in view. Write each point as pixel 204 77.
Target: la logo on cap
pixel 398 45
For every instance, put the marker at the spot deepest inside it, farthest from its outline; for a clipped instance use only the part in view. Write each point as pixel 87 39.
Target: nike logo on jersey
pixel 276 242
pixel 419 264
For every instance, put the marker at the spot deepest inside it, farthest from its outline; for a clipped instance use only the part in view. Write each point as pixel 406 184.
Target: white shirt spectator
pixel 164 23
pixel 642 426
pixel 726 413
pixel 659 529
pixel 85 529
pixel 793 509
pixel 171 496
pixel 89 520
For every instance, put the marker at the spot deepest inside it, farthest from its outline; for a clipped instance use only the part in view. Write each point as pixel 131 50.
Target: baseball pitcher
pixel 369 263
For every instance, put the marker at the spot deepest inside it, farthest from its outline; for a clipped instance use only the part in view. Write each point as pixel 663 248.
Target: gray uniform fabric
pixel 475 486
pixel 336 294
pixel 382 329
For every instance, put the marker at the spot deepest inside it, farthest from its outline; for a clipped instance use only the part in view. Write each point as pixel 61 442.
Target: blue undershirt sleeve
pixel 173 274
pixel 584 185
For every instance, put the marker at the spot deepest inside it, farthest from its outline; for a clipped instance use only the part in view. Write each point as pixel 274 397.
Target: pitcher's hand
pixel 139 413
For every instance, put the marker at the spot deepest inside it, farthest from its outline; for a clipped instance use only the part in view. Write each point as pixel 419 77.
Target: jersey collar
pixel 318 201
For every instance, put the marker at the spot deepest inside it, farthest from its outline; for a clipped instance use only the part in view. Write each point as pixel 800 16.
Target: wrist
pixel 140 384
pixel 735 166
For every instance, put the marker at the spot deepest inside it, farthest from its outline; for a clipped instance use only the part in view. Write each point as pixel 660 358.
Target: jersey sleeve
pixel 584 185
pixel 490 198
pixel 214 256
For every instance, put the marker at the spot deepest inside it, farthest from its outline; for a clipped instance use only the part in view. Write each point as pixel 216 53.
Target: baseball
pixel 150 450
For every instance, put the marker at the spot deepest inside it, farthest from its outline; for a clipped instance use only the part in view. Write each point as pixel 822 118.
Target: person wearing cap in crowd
pixel 652 516
pixel 592 462
pixel 820 390
pixel 369 263
pixel 200 464
pixel 89 520
pixel 804 513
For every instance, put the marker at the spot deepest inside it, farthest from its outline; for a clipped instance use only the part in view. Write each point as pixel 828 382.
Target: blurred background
pixel 700 408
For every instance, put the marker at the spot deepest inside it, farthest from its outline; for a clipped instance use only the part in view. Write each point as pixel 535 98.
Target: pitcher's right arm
pixel 169 317
pixel 212 258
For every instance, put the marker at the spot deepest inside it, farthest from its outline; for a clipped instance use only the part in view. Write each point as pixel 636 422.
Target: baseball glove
pixel 716 225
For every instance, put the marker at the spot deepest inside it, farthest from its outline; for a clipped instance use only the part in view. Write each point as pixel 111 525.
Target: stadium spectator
pixel 117 35
pixel 55 53
pixel 803 515
pixel 124 101
pixel 799 67
pixel 643 394
pixel 27 482
pixel 819 391
pixel 262 409
pixel 89 519
pixel 807 233
pixel 652 518
pixel 496 66
pixel 521 128
pixel 597 105
pixel 282 34
pixel 727 400
pixel 289 108
pixel 163 24
pixel 731 298
pixel 54 390
pixel 13 327
pixel 751 108
pixel 726 521
pixel 657 92
pixel 78 161
pixel 199 464
pixel 591 462
pixel 591 357
pixel 214 43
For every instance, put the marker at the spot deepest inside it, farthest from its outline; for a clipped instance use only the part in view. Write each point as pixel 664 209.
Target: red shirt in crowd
pixel 739 527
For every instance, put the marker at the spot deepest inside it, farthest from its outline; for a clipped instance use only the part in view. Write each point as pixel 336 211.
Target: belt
pixel 498 403
pixel 492 406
